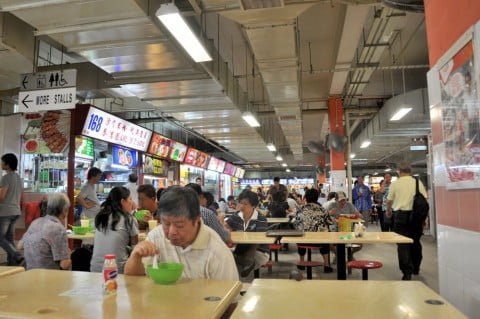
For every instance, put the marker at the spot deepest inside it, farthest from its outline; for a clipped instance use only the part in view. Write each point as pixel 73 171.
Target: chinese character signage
pixel 107 127
pixel 178 152
pixel 160 145
pixel 196 158
pixel 155 166
pixel 124 157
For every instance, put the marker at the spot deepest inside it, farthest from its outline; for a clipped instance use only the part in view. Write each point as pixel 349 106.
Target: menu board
pixel 46 133
pixel 124 157
pixel 229 169
pixel 239 172
pixel 155 166
pixel 196 158
pixel 160 145
pixel 212 165
pixel 107 127
pixel 220 166
pixel 84 147
pixel 178 152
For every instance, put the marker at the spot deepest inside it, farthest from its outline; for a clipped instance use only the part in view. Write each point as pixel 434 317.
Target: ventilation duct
pixel 260 4
pixel 405 5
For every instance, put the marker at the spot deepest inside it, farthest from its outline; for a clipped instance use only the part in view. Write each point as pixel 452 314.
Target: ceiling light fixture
pixel 388 169
pixel 279 158
pixel 400 113
pixel 288 170
pixel 271 147
pixel 171 18
pixel 284 164
pixel 366 144
pixel 250 119
pixel 418 147
pixel 353 155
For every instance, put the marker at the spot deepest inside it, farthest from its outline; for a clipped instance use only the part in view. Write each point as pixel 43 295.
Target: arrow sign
pixel 25 82
pixel 25 101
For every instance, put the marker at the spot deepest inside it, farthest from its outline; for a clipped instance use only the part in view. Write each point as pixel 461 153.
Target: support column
pixel 337 158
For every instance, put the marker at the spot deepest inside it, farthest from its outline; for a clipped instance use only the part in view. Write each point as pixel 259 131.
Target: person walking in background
pixel 400 203
pixel 132 187
pixel 362 199
pixel 88 196
pixel 45 243
pixel 10 194
pixel 277 187
pixel 116 229
pixel 378 201
pixel 387 221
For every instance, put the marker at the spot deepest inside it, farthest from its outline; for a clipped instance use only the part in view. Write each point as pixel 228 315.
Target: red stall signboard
pixel 109 128
pixel 196 158
pixel 160 145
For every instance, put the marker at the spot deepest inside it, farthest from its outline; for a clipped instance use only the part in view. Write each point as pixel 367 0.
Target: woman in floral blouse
pixel 313 218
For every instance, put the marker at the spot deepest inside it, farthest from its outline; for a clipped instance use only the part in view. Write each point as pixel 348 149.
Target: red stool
pixel 309 250
pixel 275 248
pixel 309 265
pixel 364 265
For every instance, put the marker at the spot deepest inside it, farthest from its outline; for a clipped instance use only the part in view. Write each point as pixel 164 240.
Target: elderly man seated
pixel 248 256
pixel 183 238
pixel 45 242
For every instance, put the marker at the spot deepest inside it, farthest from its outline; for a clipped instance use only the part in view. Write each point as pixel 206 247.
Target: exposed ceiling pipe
pixel 375 68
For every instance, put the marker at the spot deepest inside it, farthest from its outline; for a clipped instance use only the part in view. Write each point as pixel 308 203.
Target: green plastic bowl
pixel 79 230
pixel 166 274
pixel 140 214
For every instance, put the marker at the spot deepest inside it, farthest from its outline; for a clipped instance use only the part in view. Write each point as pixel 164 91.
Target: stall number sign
pixel 109 128
pixel 54 90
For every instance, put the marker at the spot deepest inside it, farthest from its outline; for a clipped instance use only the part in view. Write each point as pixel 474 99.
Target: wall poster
pixel 460 113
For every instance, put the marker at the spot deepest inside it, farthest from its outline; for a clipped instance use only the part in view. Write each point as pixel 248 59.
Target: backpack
pixel 420 207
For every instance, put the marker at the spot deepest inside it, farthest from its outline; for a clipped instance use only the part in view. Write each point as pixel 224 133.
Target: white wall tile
pixel 459 268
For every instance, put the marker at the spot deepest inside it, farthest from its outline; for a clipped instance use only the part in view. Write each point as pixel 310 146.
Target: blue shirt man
pixel 362 199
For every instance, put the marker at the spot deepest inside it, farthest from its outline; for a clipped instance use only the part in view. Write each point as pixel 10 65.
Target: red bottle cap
pixel 109 256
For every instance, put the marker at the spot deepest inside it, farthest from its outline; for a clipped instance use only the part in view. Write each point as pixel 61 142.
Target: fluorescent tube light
pixel 250 119
pixel 170 16
pixel 284 164
pixel 388 169
pixel 418 147
pixel 288 170
pixel 366 144
pixel 279 158
pixel 353 155
pixel 271 147
pixel 400 113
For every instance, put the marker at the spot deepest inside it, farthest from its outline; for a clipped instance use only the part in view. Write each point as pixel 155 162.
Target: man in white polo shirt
pixel 183 238
pixel 400 202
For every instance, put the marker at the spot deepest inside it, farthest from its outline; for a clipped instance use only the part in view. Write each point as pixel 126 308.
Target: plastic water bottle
pixel 110 272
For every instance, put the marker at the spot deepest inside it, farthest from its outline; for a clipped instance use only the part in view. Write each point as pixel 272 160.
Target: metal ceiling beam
pixel 40 3
pixel 158 78
pixel 116 44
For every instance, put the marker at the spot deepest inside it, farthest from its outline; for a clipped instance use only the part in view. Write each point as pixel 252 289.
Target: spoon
pixel 155 262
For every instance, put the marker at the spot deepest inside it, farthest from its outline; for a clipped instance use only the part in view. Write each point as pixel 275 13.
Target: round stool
pixel 364 265
pixel 309 265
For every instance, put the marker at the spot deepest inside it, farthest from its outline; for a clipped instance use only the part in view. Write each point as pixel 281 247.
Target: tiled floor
pixel 386 253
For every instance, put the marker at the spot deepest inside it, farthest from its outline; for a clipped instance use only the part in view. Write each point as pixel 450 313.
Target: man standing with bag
pixel 400 201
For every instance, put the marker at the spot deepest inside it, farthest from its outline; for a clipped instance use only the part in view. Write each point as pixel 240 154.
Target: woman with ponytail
pixel 116 229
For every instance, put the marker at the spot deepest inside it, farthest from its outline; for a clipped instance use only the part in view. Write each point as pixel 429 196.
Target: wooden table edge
pixel 12 271
pixel 227 300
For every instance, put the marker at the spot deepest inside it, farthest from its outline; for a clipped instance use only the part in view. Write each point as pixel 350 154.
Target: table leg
pixel 341 264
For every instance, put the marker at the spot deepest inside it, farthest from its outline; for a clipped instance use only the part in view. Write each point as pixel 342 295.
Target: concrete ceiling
pixel 281 63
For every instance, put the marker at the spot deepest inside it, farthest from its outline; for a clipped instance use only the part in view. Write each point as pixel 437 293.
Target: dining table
pixel 240 237
pixel 287 299
pixel 10 270
pixel 52 294
pixel 278 220
pixel 340 239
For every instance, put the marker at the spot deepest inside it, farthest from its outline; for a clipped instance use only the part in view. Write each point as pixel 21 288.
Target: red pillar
pixel 335 119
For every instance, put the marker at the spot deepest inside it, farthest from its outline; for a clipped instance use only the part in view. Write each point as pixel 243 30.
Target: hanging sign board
pixel 109 128
pixel 53 90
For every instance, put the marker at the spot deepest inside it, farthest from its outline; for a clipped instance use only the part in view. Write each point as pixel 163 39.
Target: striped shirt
pixel 210 219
